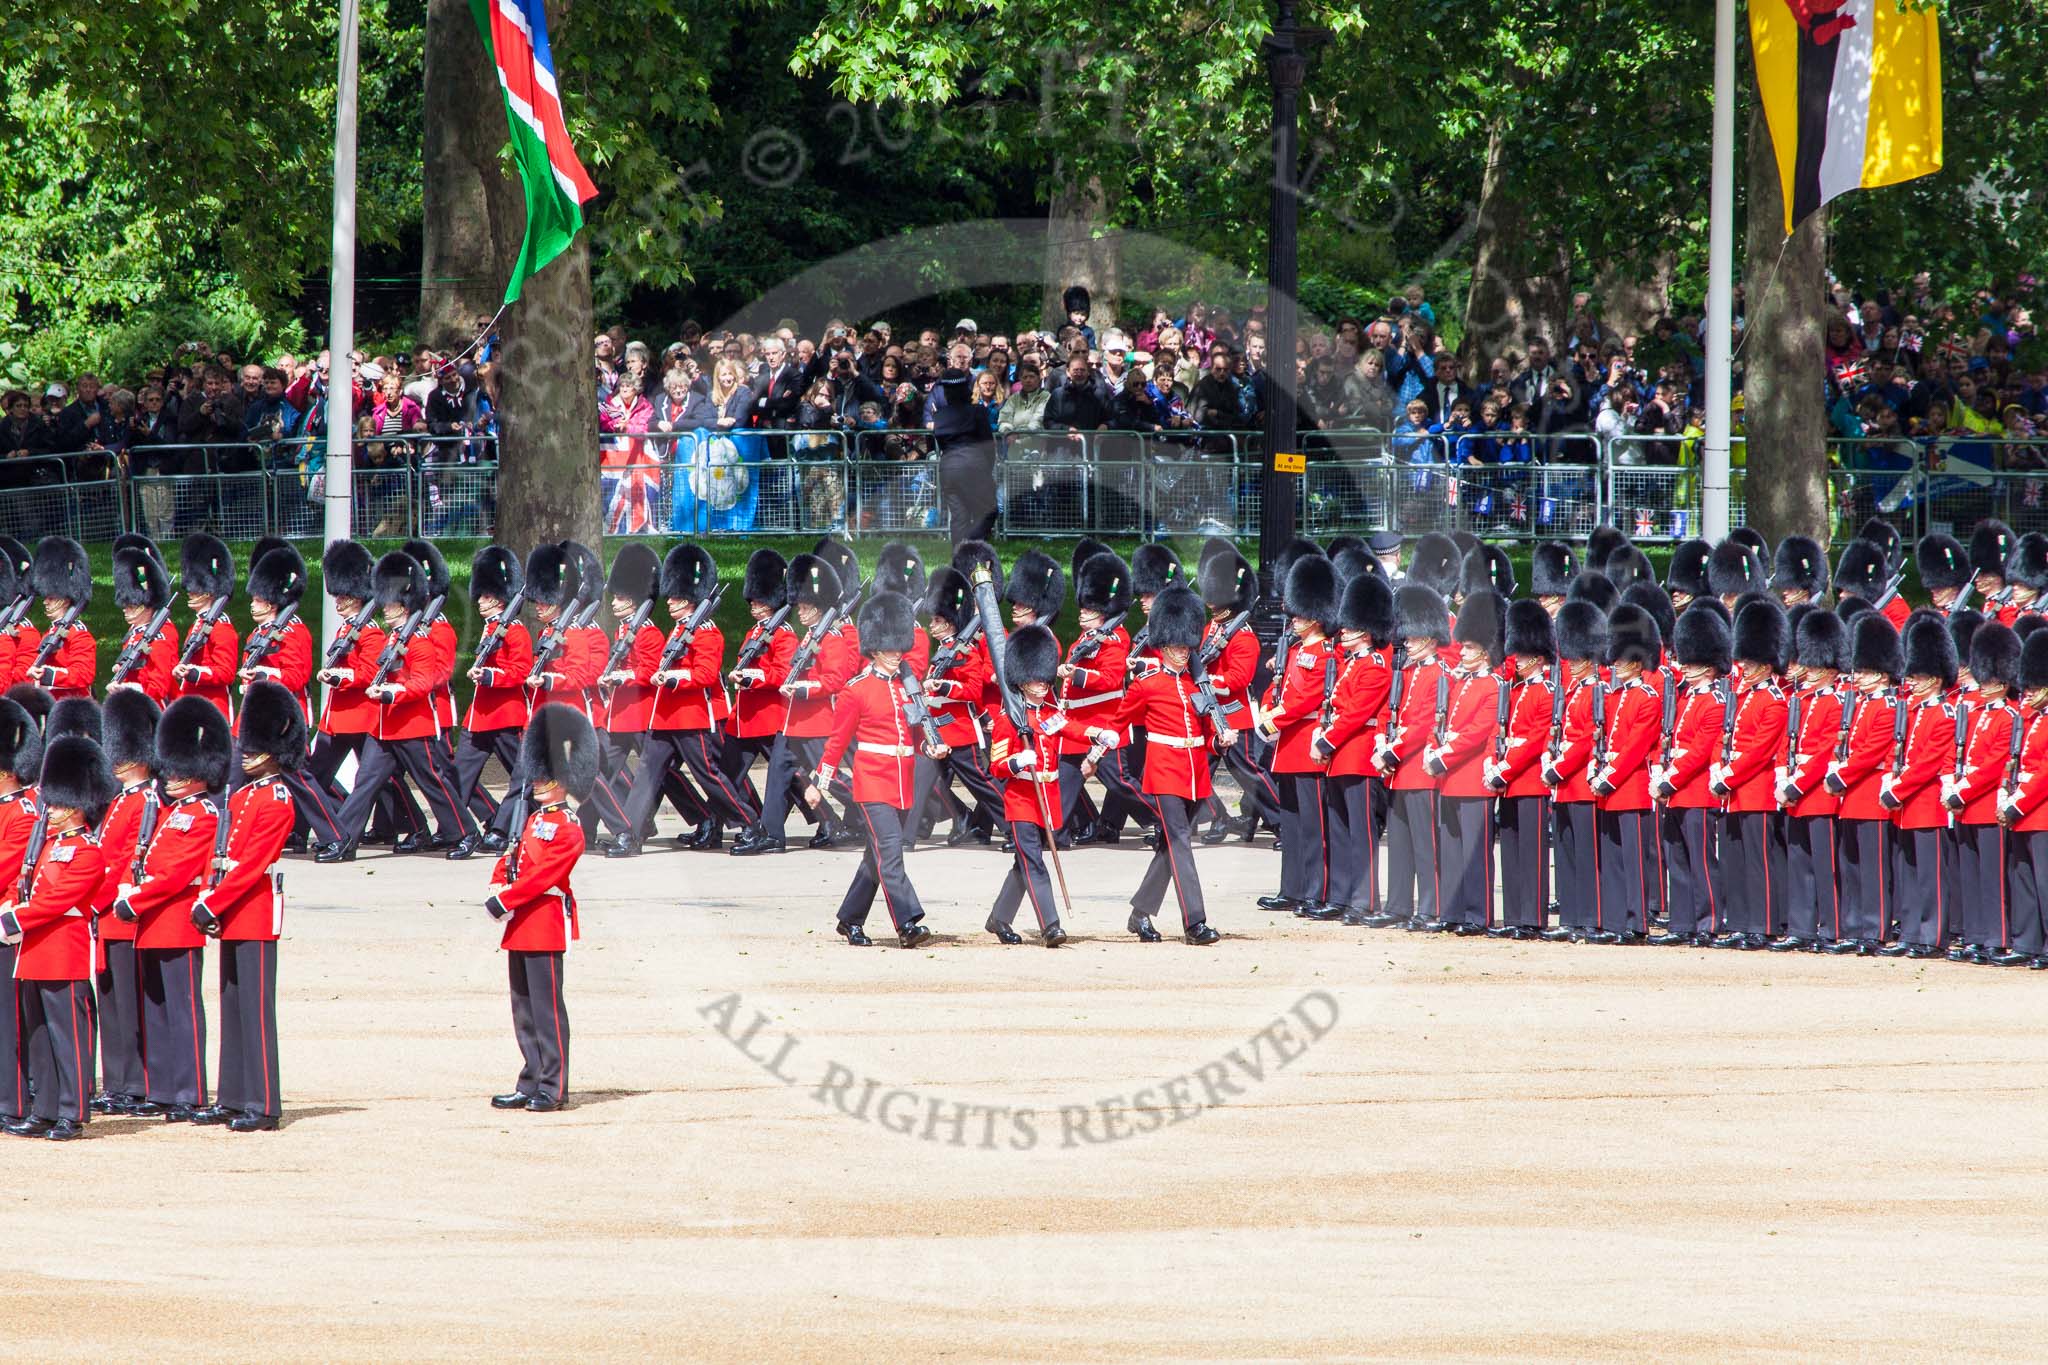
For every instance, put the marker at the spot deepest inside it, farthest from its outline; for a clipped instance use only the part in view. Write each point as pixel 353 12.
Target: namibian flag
pixel 515 33
pixel 1852 91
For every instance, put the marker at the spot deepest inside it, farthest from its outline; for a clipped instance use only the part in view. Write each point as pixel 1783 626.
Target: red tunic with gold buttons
pixel 247 900
pixel 955 695
pixel 629 705
pixel 1359 711
pixel 1812 749
pixel 78 659
pixel 289 662
pixel 575 666
pixel 1634 718
pixel 176 869
pixel 348 709
pixel 837 660
pixel 18 811
pixel 1869 758
pixel 760 708
pixel 499 701
pixel 1415 726
pixel 592 645
pixel 1176 737
pixel 1469 725
pixel 152 673
pixel 869 720
pixel 1047 724
pixel 120 829
pixel 1930 751
pixel 532 881
pixel 26 640
pixel 55 922
pixel 218 656
pixel 692 703
pixel 446 644
pixel 409 713
pixel 1760 715
pixel 1987 752
pixel 1091 692
pixel 1695 745
pixel 1294 704
pixel 1573 760
pixel 1528 731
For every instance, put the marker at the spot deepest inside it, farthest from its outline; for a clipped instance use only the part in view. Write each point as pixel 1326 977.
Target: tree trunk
pixel 472 210
pixel 1074 254
pixel 1783 482
pixel 1521 274
pixel 1634 293
pixel 547 448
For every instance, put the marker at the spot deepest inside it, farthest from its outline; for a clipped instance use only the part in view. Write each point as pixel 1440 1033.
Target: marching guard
pixel 128 724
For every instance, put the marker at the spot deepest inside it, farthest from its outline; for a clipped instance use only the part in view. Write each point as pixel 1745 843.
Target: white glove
pixel 2008 809
pixel 1024 762
pixel 750 675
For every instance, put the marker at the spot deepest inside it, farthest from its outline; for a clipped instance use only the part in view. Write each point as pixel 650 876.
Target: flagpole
pixel 341 302
pixel 1720 281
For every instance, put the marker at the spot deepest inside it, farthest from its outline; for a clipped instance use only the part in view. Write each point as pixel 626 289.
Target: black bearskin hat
pixel 1228 583
pixel 1794 614
pixel 1155 568
pixel 1590 585
pixel 495 572
pixel 135 540
pixel 273 724
pixel 812 582
pixel 1601 544
pixel 278 578
pixel 1862 570
pixel 968 553
pixel 1212 547
pixel 1031 655
pixel 1990 546
pixel 1734 569
pixel 900 569
pixel 1311 592
pixel 887 624
pixel 1687 571
pixel 766 579
pixel 263 546
pixel 1995 656
pixel 1657 602
pixel 1103 584
pixel 1465 541
pixel 347 570
pixel 431 562
pixel 1701 640
pixel 1801 565
pixel 1482 621
pixel 15 563
pixel 73 716
pixel 1085 549
pixel 844 562
pixel 636 573
pixel 33 700
pixel 128 724
pixel 1337 545
pixel 1530 633
pixel 1761 633
pixel 1821 641
pixel 1632 637
pixel 1885 536
pixel 1627 565
pixel 193 743
pixel 1074 299
pixel 1038 585
pixel 61 569
pixel 1368 605
pixel 1930 650
pixel 560 746
pixel 1582 632
pixel 2028 566
pixel 1754 539
pixel 1551 568
pixel 1876 647
pixel 688 574
pixel 1943 562
pixel 139 580
pixel 1420 614
pixel 589 569
pixel 400 579
pixel 1487 568
pixel 21 741
pixel 1437 564
pixel 1176 619
pixel 76 776
pixel 550 576
pixel 2034 662
pixel 206 565
pixel 949 597
pixel 1849 608
pixel 1963 627
pixel 1351 562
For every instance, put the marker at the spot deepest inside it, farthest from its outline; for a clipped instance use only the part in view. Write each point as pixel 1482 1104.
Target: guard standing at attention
pixel 1516 774
pixel 128 726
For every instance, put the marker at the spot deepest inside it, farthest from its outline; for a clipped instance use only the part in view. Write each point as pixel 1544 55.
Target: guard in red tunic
pixel 1944 567
pixel 759 670
pixel 348 717
pixel 1991 545
pixel 1365 632
pixel 1628 887
pixel 1417 694
pixel 1750 871
pixel 1182 723
pixel 447 643
pixel 212 653
pixel 18 642
pixel 563 666
pixel 2022 808
pixel 1515 772
pixel 1577 729
pixel 532 897
pixel 625 691
pixel 1092 681
pixel 1813 724
pixel 497 707
pixel 954 684
pixel 830 656
pixel 21 761
pixel 1868 737
pixel 128 726
pixel 1799 572
pixel 1229 587
pixel 1457 756
pixel 48 916
pixel 64 660
pixel 142 586
pixel 1028 764
pixel 1911 791
pixel 1864 572
pixel 1300 700
pixel 1680 778
pixel 1985 723
pixel 876 721
pixel 244 909
pixel 283 654
pixel 180 861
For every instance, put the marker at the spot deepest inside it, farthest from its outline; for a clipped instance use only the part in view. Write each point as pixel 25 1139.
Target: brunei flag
pixel 1852 90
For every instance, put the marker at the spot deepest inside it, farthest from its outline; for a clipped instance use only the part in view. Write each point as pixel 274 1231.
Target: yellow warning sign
pixel 1290 464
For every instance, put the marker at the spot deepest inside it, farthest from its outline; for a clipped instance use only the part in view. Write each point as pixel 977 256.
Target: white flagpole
pixel 1720 280
pixel 341 302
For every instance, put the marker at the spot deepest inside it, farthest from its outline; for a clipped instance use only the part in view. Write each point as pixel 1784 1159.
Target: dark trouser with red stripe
pixel 1751 867
pixel 1465 858
pixel 964 763
pixel 248 1027
pixel 1863 877
pixel 696 752
pixel 2026 895
pixel 608 799
pixel 1919 890
pixel 395 805
pixel 881 867
pixel 1261 794
pixel 1354 843
pixel 120 992
pixel 1120 794
pixel 56 1047
pixel 791 759
pixel 1304 839
pixel 540 1021
pixel 1524 836
pixel 1812 899
pixel 315 806
pixel 1411 855
pixel 1979 890
pixel 1690 900
pixel 1578 868
pixel 736 760
pixel 1173 861
pixel 1027 878
pixel 384 759
pixel 173 1025
pixel 13 1075
pixel 477 748
pixel 1628 885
